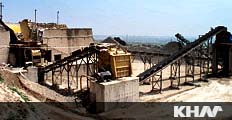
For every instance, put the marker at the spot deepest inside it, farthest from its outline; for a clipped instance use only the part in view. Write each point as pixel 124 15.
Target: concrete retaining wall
pixel 65 41
pixel 4 40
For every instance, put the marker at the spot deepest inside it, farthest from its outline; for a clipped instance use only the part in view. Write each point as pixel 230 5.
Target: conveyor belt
pixel 149 53
pixel 178 55
pixel 76 55
pixel 182 40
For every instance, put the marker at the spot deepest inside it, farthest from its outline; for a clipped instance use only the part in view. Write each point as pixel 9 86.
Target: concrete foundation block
pixel 109 95
pixel 32 74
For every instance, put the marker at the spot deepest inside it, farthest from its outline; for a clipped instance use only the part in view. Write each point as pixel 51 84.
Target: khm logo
pixel 196 111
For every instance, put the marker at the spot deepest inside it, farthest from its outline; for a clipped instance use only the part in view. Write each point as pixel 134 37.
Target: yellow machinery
pixel 24 44
pixel 21 30
pixel 36 56
pixel 26 31
pixel 117 61
pixel 15 27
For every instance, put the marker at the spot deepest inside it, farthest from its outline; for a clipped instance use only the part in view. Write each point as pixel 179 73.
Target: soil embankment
pixel 23 99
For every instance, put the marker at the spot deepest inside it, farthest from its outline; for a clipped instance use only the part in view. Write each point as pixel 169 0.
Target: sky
pixel 127 17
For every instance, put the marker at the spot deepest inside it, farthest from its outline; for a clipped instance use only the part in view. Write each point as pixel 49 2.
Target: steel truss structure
pixel 195 54
pixel 199 57
pixel 68 69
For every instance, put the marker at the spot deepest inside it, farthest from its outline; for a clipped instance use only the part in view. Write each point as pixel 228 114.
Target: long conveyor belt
pixel 77 55
pixel 178 55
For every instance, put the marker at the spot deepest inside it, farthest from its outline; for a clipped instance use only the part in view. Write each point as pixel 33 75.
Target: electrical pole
pixel 35 15
pixel 1 6
pixel 57 17
pixel 35 32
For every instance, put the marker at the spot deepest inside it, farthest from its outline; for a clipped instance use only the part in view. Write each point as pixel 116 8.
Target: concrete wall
pixel 65 41
pixel 4 40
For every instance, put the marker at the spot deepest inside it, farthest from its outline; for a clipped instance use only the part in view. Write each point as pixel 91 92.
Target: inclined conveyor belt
pixel 76 55
pixel 178 55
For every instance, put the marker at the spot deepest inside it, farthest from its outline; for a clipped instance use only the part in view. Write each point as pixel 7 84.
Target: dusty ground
pixel 8 95
pixel 20 102
pixel 217 90
pixel 146 93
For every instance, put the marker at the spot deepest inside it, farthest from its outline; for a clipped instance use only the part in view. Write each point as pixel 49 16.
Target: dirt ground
pixel 146 93
pixel 18 102
pixel 217 90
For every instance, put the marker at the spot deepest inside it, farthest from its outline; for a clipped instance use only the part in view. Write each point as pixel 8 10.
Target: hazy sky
pixel 132 17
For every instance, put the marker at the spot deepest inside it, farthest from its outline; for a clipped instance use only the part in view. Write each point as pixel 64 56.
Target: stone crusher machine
pixel 25 47
pixel 115 62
